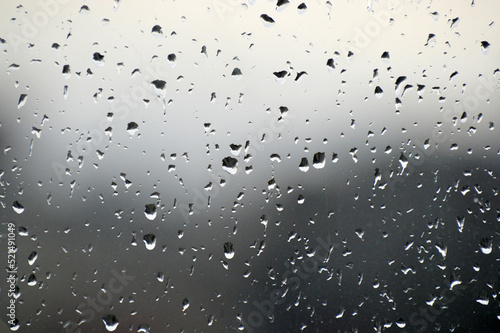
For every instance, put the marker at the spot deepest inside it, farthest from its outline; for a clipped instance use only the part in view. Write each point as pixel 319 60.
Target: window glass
pixel 255 166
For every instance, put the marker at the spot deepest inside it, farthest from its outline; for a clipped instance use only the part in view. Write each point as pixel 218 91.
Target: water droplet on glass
pixel 486 245
pixel 185 304
pixel 32 258
pixel 228 250
pixel 150 241
pixel 98 59
pixel 483 299
pixel 32 281
pixel 400 323
pixel 236 73
pixel 330 63
pixel 484 46
pixel 267 19
pixel 171 58
pixel 443 250
pixel 230 165
pixel 157 30
pixel 132 128
pixel 150 211
pixel 110 322
pixel 66 71
pixel 14 326
pixel 143 328
pixel 304 164
pixel 22 100
pixel 159 85
pixel 17 207
pixel 404 163
pixel 319 160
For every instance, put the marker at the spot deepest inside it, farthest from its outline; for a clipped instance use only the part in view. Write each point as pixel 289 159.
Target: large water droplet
pixel 159 85
pixel 14 326
pixel 171 59
pixel 319 160
pixel 132 128
pixel 304 164
pixel 32 281
pixel 486 245
pixel 150 211
pixel 157 30
pixel 150 241
pixel 110 322
pixel 17 207
pixel 228 250
pixel 230 165
pixel 236 73
pixel 98 59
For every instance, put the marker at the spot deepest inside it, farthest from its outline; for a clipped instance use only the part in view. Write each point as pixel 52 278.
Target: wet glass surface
pixel 255 166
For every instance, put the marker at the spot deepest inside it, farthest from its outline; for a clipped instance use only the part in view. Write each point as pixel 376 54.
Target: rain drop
pixel 110 322
pixel 17 207
pixel 230 165
pixel 228 250
pixel 150 211
pixel 150 241
pixel 304 164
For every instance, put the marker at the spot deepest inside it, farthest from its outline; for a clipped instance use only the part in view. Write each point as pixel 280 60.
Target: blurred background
pixel 256 166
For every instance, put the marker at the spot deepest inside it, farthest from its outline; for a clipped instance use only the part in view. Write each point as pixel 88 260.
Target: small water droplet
pixel 185 304
pixel 484 46
pixel 23 231
pixel 32 257
pixel 22 100
pixel 143 328
pixel 483 299
pixel 404 163
pixel 66 71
